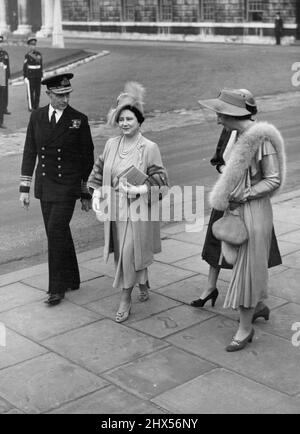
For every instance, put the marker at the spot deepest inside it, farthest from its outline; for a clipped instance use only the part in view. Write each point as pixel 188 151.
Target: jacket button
pixel 43 156
pixel 43 165
pixel 59 158
pixel 59 167
pixel 43 148
pixel 59 175
pixel 44 174
pixel 59 150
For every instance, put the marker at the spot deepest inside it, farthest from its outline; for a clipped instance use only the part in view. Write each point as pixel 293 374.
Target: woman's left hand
pixel 131 190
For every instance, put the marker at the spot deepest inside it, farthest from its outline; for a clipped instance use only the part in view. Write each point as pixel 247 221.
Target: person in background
pixel 33 72
pixel 133 242
pixel 278 28
pixel 4 59
pixel 59 136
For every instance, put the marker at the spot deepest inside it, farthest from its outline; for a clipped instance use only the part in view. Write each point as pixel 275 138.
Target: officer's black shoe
pixel 55 299
pixel 2 126
pixel 7 112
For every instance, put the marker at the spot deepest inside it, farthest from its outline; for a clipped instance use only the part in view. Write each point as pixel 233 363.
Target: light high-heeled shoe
pixel 123 316
pixel 236 345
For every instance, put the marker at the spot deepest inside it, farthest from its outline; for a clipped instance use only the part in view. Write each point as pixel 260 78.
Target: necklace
pixel 123 152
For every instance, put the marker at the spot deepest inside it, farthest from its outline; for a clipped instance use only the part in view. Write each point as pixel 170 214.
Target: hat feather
pixel 136 90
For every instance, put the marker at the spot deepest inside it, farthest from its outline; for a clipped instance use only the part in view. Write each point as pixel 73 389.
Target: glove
pixel 132 190
pixel 25 200
pixel 96 200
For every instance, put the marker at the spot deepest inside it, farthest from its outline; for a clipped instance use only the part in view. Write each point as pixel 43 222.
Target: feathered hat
pixel 132 98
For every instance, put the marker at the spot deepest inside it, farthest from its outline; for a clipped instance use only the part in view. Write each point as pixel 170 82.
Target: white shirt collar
pixel 58 113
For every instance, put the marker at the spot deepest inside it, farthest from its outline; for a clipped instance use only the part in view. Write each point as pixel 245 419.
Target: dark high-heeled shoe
pixel 200 302
pixel 263 313
pixel 236 345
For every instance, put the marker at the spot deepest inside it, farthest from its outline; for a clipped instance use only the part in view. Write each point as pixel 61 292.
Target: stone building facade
pixel 194 20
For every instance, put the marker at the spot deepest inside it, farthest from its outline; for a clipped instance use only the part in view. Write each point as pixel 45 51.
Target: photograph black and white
pixel 150 210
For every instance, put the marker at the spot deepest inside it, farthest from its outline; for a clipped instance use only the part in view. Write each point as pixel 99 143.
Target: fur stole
pixel 240 159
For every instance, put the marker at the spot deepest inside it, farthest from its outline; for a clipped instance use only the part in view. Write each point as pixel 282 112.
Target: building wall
pixel 178 10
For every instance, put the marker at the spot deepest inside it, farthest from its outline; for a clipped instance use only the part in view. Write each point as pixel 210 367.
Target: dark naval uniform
pixel 33 71
pixel 4 60
pixel 65 159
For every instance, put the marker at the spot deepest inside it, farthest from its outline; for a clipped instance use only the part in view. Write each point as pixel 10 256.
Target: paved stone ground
pixel 168 357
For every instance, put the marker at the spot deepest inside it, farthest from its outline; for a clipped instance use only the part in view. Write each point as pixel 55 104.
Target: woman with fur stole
pixel 254 171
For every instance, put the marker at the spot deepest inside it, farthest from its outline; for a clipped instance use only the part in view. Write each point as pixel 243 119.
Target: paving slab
pixel 286 285
pixel 190 237
pixel 198 265
pixel 15 276
pixel 18 294
pixel 103 345
pixel 157 303
pixel 174 250
pixel 109 400
pixel 282 227
pixel 156 373
pixel 98 266
pixel 40 281
pixel 223 392
pixel 292 237
pixel 286 248
pixel 18 349
pixel 5 406
pixel 173 229
pixel 292 260
pixel 171 321
pixel 37 383
pixel 263 360
pixel 281 214
pixel 92 290
pixel 163 274
pixel 282 319
pixel 39 321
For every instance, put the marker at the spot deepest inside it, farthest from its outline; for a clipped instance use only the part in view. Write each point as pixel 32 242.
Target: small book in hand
pixel 133 175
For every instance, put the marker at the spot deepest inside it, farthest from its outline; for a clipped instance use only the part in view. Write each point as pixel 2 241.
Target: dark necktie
pixel 53 120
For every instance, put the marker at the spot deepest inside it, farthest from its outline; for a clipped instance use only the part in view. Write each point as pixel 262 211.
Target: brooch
pixel 75 124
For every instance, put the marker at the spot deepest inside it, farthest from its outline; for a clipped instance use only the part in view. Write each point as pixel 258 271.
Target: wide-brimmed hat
pixel 232 102
pixel 132 97
pixel 59 83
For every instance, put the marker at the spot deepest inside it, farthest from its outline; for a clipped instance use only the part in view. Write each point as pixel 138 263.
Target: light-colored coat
pixel 146 234
pixel 240 159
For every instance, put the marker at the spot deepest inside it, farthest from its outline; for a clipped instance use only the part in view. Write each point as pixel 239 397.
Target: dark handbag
pixel 231 229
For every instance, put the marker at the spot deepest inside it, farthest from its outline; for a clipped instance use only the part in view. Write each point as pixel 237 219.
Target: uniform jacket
pixel 33 65
pixel 241 155
pixel 146 234
pixel 65 155
pixel 4 59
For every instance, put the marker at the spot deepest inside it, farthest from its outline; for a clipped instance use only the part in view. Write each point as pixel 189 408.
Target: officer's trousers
pixel 35 92
pixel 62 261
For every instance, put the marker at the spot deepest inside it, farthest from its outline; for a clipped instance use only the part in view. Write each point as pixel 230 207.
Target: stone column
pixel 4 27
pixel 57 35
pixel 47 19
pixel 23 13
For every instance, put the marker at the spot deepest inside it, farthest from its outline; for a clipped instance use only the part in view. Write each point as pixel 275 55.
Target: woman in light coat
pixel 129 231
pixel 254 171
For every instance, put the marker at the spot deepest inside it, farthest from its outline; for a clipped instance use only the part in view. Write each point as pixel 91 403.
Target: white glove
pixel 25 200
pixel 96 200
pixel 132 190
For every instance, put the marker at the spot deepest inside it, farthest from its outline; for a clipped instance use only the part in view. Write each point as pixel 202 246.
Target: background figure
pixel 278 28
pixel 133 241
pixel 254 170
pixel 61 139
pixel 33 72
pixel 4 59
